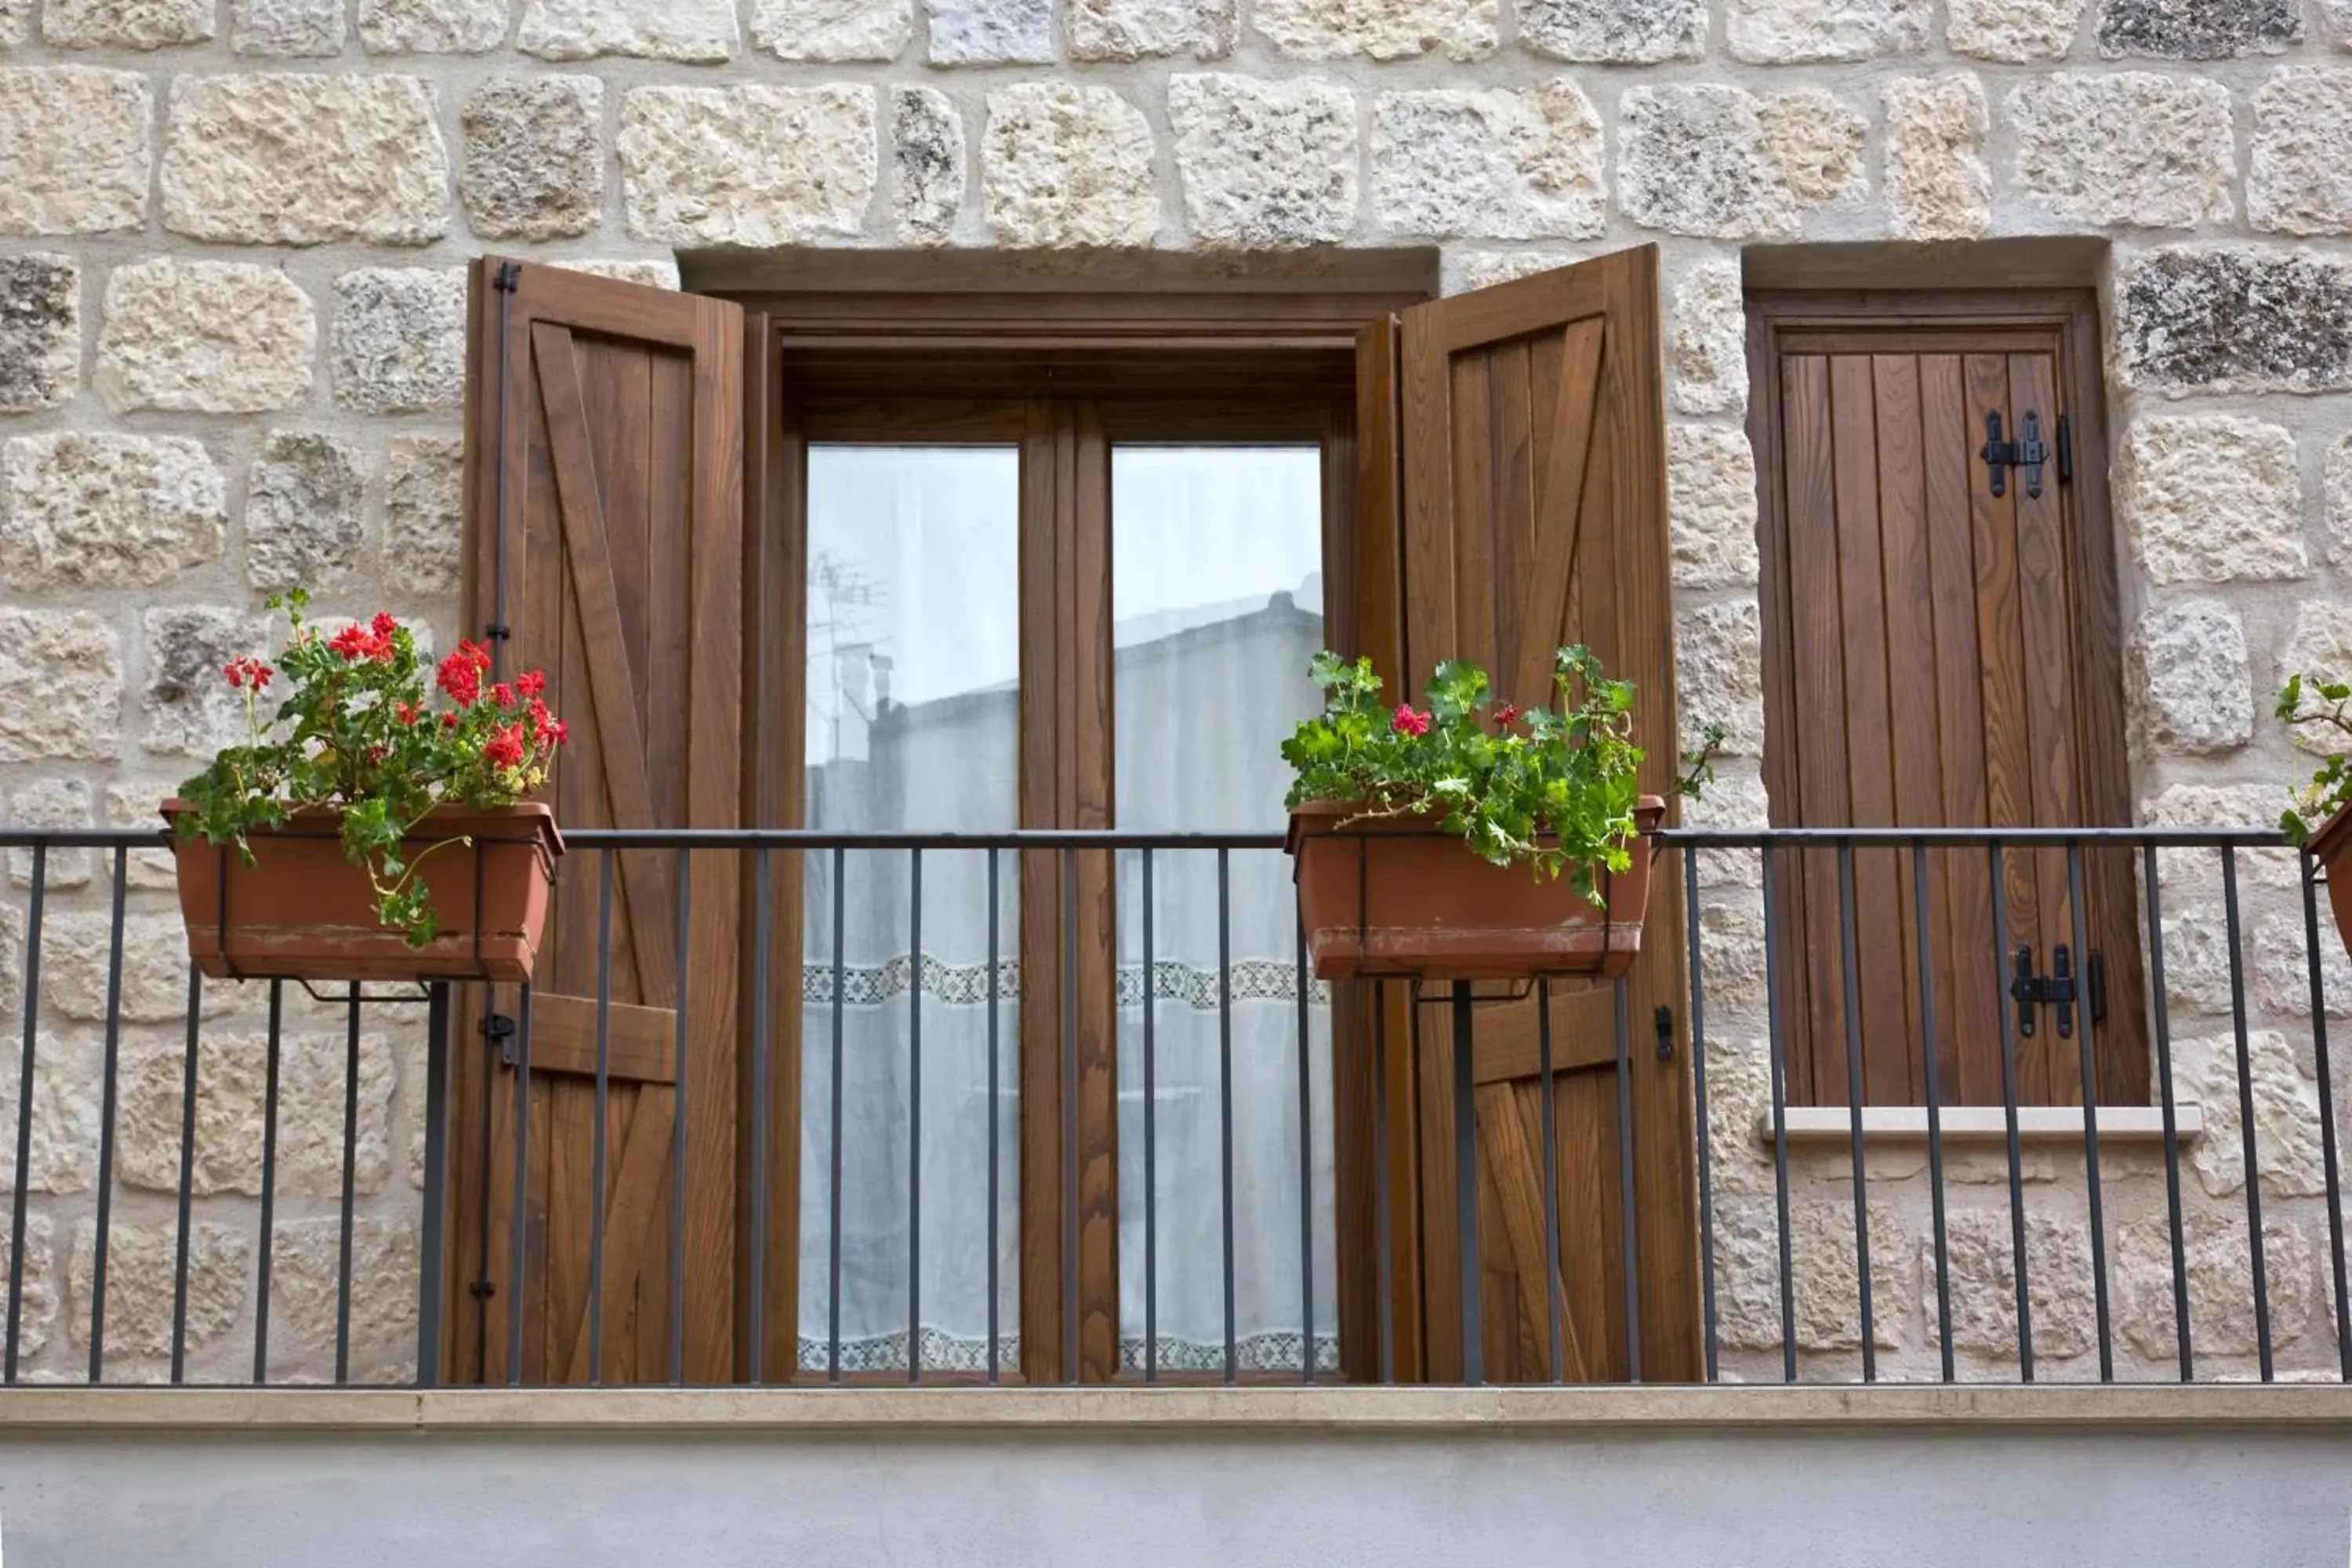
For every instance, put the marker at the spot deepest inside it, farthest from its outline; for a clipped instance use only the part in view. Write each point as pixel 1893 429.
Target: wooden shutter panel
pixel 604 451
pixel 1531 422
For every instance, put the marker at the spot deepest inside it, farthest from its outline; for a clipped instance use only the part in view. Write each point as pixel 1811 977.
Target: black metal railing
pixel 1112 1039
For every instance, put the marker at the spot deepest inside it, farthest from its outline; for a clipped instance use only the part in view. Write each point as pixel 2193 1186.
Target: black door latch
pixel 2057 987
pixel 2029 454
pixel 499 1030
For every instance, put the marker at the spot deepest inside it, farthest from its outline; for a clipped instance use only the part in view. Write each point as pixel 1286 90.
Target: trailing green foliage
pixel 2330 789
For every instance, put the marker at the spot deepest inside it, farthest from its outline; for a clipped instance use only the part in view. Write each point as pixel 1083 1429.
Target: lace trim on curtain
pixel 966 984
pixel 1273 1350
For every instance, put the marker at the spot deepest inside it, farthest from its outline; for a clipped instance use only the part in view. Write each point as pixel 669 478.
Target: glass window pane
pixel 913 723
pixel 1217 594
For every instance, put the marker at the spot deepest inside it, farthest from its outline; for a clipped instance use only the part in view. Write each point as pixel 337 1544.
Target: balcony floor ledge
pixel 809 1411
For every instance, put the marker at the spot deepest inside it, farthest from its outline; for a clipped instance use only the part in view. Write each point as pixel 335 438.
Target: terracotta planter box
pixel 1395 896
pixel 302 911
pixel 2331 847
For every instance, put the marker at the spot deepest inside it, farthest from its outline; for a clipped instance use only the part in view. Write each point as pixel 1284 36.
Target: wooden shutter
pixel 605 452
pixel 1530 423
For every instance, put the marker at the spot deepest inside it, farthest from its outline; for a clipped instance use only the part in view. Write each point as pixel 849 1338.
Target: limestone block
pixel 992 32
pixel 1936 181
pixel 210 337
pixel 44 653
pixel 1796 32
pixel 534 157
pixel 15 22
pixel 2212 499
pixel 2126 147
pixel 2219 1275
pixel 926 164
pixel 1379 29
pixel 400 339
pixel 55 803
pixel 2197 29
pixel 433 26
pixel 2338 492
pixel 1492 163
pixel 1708 353
pixel 1822 1264
pixel 2014 30
pixel 141 1276
pixel 693 31
pixel 1981 1247
pixel 85 510
pixel 1460 270
pixel 2281 964
pixel 2233 319
pixel 77 953
pixel 1732 951
pixel 2220 806
pixel 292 159
pixel 1066 167
pixel 125 24
pixel 1736 799
pixel 233 1109
pixel 305 1293
pixel 304 523
pixel 424 513
pixel 298 29
pixel 2319 645
pixel 77 159
pixel 37 1310
pixel 1147 30
pixel 1711 480
pixel 752 166
pixel 1718 675
pixel 1722 162
pixel 40 331
pixel 2287 1152
pixel 2300 180
pixel 1265 165
pixel 2189 683
pixel 1739 1091
pixel 66 1100
pixel 2197 961
pixel 190 709
pixel 831 30
pixel 1615 32
pixel 134 804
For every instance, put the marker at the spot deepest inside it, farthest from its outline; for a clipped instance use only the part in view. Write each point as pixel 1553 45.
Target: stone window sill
pixel 1815 1125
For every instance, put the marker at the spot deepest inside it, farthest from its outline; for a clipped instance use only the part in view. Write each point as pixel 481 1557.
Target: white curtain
pixel 913 723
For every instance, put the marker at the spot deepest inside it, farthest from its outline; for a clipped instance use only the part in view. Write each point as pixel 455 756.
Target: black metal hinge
pixel 2028 453
pixel 499 1029
pixel 507 278
pixel 2058 987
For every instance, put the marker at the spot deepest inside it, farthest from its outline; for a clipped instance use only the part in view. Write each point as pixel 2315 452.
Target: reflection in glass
pixel 1217 597
pixel 913 721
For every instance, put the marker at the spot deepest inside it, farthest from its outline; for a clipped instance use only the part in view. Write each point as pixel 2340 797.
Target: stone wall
pixel 231 245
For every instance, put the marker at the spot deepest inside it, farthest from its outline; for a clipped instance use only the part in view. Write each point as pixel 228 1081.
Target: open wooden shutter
pixel 1530 424
pixel 604 452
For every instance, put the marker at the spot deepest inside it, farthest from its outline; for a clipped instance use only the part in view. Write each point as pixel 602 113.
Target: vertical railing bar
pixel 432 1258
pixel 2009 1110
pixel 1306 1162
pixel 264 1247
pixel 106 1119
pixel 350 1184
pixel 756 1333
pixel 915 1114
pixel 597 1137
pixel 2085 1048
pixel 1698 1091
pixel 2326 1113
pixel 1069 1117
pixel 682 967
pixel 1465 1185
pixel 1774 1043
pixel 2255 1247
pixel 2163 1006
pixel 32 1003
pixel 832 1206
pixel 519 1258
pixel 1932 1071
pixel 187 1177
pixel 1382 1245
pixel 1150 1137
pixel 1855 1091
pixel 1225 1096
pixel 1628 1200
pixel 995 1139
pixel 1554 1335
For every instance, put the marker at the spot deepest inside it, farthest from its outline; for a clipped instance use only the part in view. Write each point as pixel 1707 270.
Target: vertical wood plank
pixel 1914 743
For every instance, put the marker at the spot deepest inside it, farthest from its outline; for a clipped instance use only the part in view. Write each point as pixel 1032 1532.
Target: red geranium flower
pixel 504 747
pixel 1507 713
pixel 531 682
pixel 460 675
pixel 1408 722
pixel 503 695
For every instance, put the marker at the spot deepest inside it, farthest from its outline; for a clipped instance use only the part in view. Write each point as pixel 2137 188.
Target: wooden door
pixel 604 451
pixel 1531 469
pixel 1942 651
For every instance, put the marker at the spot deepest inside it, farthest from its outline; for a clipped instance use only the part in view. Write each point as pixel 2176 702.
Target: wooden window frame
pixel 1065 375
pixel 1977 320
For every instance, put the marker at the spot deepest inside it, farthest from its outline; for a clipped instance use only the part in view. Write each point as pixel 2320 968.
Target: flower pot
pixel 1395 896
pixel 2331 847
pixel 303 911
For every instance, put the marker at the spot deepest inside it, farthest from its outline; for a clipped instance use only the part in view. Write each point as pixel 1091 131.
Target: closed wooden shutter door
pixel 604 451
pixel 1531 425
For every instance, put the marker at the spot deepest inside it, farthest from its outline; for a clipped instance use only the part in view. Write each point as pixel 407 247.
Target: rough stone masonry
pixel 231 244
